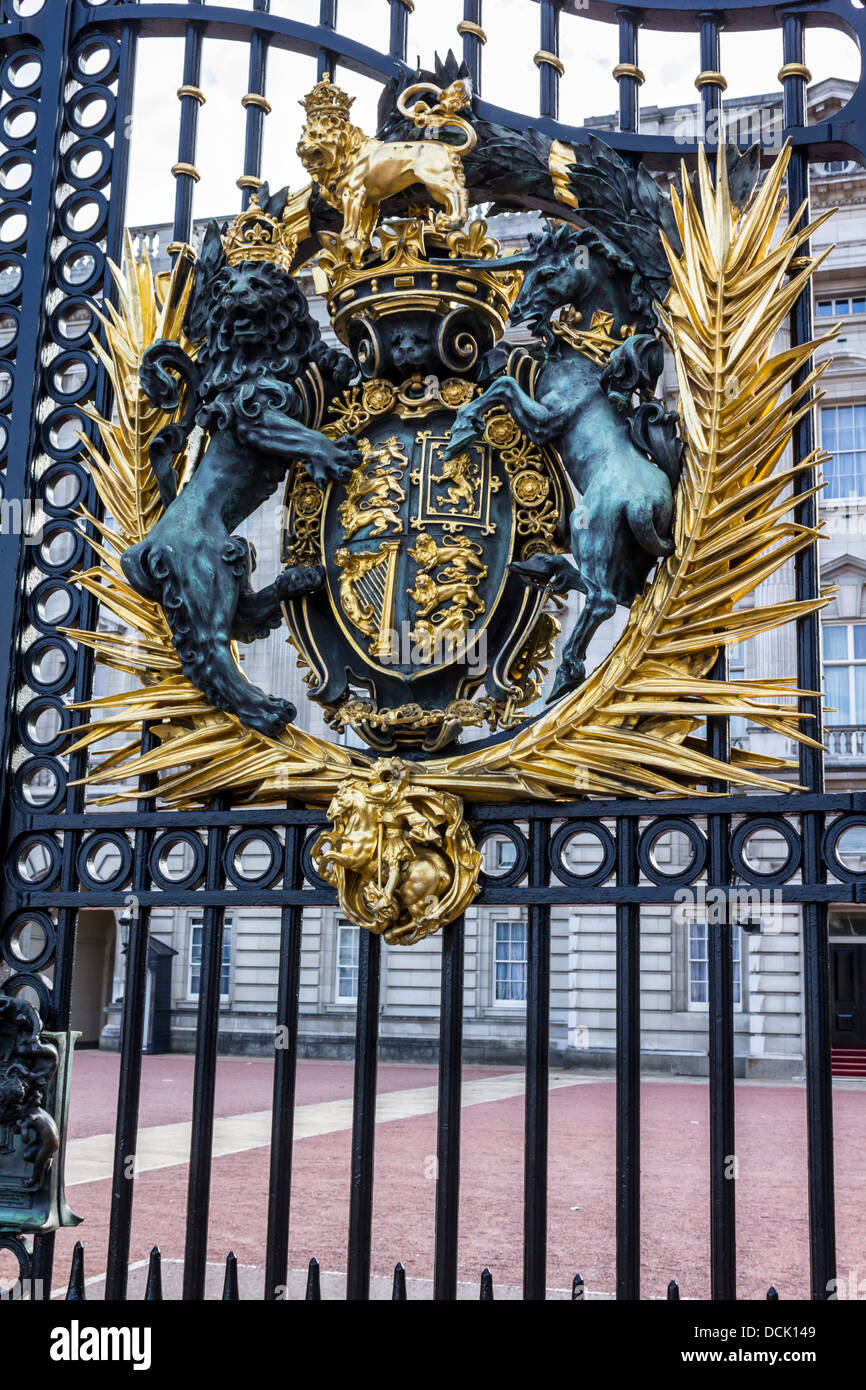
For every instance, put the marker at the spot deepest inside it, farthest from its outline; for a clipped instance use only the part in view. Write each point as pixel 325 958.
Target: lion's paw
pixel 270 716
pixel 336 464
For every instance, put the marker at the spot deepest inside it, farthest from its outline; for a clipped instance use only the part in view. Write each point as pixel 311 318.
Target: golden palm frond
pixel 630 729
pixel 625 732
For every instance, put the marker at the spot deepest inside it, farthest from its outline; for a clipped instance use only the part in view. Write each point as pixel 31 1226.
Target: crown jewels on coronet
pixel 257 236
pixel 327 99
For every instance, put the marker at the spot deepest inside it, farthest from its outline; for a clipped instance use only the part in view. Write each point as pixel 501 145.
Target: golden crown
pixel 400 276
pixel 257 236
pixel 327 99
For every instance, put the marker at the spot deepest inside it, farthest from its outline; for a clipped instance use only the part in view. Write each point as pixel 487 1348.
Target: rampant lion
pixel 356 172
pixel 245 392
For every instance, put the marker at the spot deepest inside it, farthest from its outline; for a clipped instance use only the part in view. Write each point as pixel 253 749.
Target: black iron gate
pixel 67 77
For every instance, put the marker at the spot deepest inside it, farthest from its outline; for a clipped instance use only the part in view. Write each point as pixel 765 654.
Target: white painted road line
pixel 165 1146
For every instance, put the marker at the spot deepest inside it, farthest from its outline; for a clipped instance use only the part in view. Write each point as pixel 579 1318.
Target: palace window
pixel 699 966
pixel 195 955
pixel 843 434
pixel 348 943
pixel 506 854
pixel 845 672
pixel 840 308
pixel 510 947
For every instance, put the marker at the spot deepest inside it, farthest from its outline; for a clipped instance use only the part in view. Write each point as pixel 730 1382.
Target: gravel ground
pixel 772 1216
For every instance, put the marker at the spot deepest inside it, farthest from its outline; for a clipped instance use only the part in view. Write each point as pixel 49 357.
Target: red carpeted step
pixel 848 1061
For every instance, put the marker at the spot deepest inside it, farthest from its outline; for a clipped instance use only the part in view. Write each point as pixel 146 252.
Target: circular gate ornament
pixel 441 495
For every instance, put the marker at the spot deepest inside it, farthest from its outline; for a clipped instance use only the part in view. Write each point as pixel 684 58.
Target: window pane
pixel 836 694
pixel 843 306
pixel 858 306
pixel 509 957
pixel 835 642
pixel 843 433
pixel 859 711
pixel 828 426
pixel 348 944
pixel 825 308
pixel 859 630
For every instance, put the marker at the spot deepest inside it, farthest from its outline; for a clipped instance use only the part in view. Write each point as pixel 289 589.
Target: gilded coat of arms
pixel 441 491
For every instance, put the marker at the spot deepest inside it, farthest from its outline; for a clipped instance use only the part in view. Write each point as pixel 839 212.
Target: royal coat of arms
pixel 441 490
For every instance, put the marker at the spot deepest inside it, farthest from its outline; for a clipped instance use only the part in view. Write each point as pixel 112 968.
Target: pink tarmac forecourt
pixel 772 1214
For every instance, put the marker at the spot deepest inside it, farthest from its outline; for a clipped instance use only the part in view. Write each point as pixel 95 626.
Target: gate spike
pixel 75 1291
pixel 673 1291
pixel 772 1293
pixel 230 1283
pixel 153 1291
pixel 399 1293
pixel 314 1288
pixel 578 1289
pixel 486 1286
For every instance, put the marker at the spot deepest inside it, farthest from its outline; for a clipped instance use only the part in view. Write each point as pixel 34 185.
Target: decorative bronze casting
pixel 440 492
pixel 33 1090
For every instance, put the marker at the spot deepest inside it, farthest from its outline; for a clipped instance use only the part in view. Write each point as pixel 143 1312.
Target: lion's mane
pixel 239 378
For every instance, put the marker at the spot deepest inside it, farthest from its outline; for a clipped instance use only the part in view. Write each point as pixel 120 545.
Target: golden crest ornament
pixel 441 494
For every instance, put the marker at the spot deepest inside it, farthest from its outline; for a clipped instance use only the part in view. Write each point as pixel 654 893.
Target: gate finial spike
pixel 230 1283
pixel 673 1291
pixel 486 1286
pixel 153 1290
pixel 578 1289
pixel 314 1288
pixel 75 1291
pixel 772 1293
pixel 399 1292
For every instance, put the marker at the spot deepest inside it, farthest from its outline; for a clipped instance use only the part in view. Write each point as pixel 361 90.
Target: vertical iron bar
pixel 629 84
pixel 256 109
pixel 473 41
pixel 548 75
pixel 363 1119
pixel 816 947
pixel 711 91
pixel 720 1025
pixel 204 1076
pixel 537 1055
pixel 398 36
pixel 58 1015
pixel 285 1070
pixel 153 1289
pixel 75 1291
pixel 314 1284
pixel 131 1042
pixel 627 1067
pixel 328 60
pixel 187 136
pixel 448 1136
pixel 231 1292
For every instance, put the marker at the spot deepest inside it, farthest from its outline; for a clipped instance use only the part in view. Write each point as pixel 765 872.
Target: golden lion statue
pixel 356 172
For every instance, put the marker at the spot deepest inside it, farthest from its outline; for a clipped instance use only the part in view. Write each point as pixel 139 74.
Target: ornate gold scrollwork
pixel 399 853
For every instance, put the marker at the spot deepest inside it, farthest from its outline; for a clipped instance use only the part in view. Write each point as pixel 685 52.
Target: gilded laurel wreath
pixel 629 729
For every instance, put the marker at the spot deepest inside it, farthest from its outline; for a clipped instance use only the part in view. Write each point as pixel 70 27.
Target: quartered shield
pixel 421 627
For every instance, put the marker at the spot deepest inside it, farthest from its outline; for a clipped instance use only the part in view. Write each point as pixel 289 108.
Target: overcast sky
pixel 589 51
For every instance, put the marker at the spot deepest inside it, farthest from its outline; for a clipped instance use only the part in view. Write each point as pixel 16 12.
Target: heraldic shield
pixel 421 626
